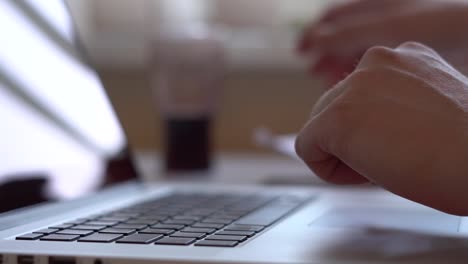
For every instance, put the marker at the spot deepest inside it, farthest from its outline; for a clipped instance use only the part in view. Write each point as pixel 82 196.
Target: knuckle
pixel 381 56
pixel 416 48
pixel 380 52
pixel 413 45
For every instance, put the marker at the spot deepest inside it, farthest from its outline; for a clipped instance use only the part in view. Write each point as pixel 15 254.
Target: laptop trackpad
pixel 389 218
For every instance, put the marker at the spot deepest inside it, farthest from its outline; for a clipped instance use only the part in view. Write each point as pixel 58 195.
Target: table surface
pixel 238 168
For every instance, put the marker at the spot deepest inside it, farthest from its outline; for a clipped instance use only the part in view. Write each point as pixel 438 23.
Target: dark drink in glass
pixel 187 144
pixel 188 70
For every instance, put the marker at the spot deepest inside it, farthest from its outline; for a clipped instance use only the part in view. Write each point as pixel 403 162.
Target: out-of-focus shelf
pixel 244 50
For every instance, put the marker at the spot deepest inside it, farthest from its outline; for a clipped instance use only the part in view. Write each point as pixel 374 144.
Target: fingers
pixel 362 11
pixel 319 146
pixel 354 8
pixel 310 146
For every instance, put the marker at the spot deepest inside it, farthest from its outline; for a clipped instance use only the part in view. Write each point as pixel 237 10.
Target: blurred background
pixel 266 83
pixel 192 81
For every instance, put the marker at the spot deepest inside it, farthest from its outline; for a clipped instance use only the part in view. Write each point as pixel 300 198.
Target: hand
pixel 346 31
pixel 400 121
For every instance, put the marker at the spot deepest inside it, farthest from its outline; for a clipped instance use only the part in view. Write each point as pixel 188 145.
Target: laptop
pixel 59 125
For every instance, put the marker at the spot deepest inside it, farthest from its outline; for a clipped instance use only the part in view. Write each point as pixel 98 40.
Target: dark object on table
pixel 188 146
pixel 22 192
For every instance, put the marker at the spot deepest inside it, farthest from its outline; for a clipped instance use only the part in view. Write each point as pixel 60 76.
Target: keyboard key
pixel 55 237
pixel 115 218
pixel 198 230
pixel 128 226
pixel 74 232
pixel 185 234
pixel 122 231
pixel 224 217
pixel 140 238
pixel 157 231
pixel 77 221
pixel 46 231
pixel 180 241
pixel 102 223
pixel 217 221
pixel 187 217
pixel 236 233
pixel 88 227
pixel 226 238
pixel 31 236
pixel 141 222
pixel 100 238
pixel 216 243
pixel 62 226
pixel 244 228
pixel 206 225
pixel 179 222
pixel 155 218
pixel 167 226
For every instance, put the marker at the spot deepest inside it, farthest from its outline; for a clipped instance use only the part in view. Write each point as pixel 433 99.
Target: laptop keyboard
pixel 208 220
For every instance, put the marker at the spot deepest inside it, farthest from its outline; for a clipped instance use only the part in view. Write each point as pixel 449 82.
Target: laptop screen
pixel 58 125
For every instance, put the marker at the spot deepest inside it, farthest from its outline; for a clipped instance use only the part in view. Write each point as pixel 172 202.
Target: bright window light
pixel 55 12
pixel 57 80
pixel 30 144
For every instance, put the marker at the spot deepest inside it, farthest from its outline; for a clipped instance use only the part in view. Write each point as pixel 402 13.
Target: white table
pixel 238 168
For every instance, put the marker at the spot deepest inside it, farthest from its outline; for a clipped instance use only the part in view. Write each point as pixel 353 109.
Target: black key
pixel 77 221
pixel 62 226
pixel 141 222
pixel 226 238
pixel 122 231
pixel 179 222
pixel 152 218
pixel 224 217
pixel 74 232
pixel 140 238
pixel 216 243
pixel 46 231
pixel 55 237
pixel 186 234
pixel 167 226
pixel 198 230
pixel 115 218
pixel 201 214
pixel 128 226
pixel 267 215
pixel 31 236
pixel 187 217
pixel 100 238
pixel 88 227
pixel 102 223
pixel 157 231
pixel 236 233
pixel 244 228
pixel 217 221
pixel 206 225
pixel 179 241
